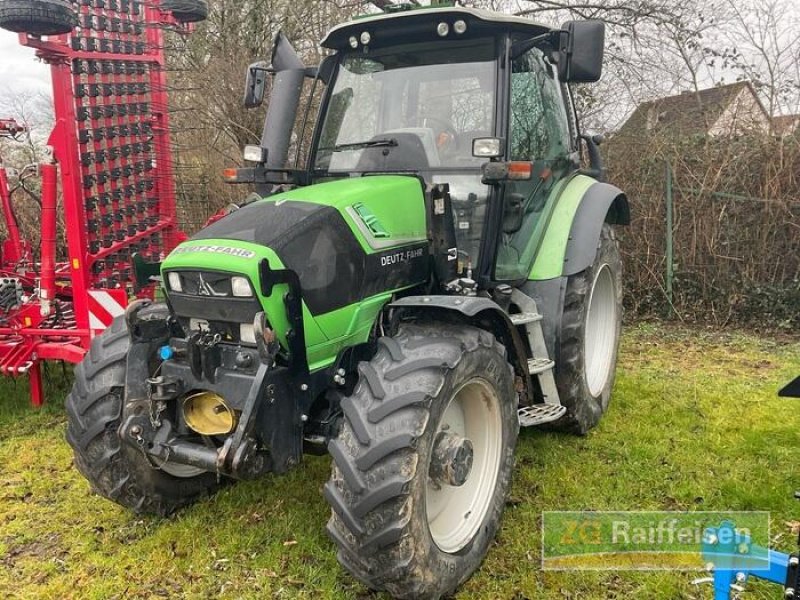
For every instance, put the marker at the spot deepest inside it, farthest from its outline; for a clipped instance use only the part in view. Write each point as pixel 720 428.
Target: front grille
pixel 207 301
pixel 206 283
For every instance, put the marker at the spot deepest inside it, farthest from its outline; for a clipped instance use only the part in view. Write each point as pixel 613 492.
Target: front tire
pixel 423 461
pixel 590 332
pixel 115 470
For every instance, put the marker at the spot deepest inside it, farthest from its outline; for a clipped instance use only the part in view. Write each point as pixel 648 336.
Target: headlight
pixel 175 283
pixel 240 287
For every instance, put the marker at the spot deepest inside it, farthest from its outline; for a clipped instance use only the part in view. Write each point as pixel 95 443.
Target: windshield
pixel 416 107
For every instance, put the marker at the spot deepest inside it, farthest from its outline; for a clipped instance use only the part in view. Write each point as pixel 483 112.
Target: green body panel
pixel 273 305
pixel 568 195
pixel 392 214
pixel 396 203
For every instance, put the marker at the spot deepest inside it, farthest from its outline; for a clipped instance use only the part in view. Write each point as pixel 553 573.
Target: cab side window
pixel 539 128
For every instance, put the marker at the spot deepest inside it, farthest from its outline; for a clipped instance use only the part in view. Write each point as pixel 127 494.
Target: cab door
pixel 539 133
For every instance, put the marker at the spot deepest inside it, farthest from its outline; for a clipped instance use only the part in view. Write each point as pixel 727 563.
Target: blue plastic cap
pixel 166 352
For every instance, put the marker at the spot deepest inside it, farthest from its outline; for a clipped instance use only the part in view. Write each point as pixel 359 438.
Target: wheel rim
pixel 601 331
pixel 179 470
pixel 455 513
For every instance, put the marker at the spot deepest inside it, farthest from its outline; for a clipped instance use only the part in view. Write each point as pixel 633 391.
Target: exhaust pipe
pixel 286 89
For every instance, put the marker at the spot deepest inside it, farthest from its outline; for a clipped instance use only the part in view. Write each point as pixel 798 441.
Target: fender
pixel 602 203
pixel 479 312
pixel 573 230
pixel 570 245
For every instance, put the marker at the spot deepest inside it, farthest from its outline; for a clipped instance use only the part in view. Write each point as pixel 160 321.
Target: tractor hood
pixel 347 240
pixel 382 212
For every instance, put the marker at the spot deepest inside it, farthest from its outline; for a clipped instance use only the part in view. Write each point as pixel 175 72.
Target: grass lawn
pixel 694 424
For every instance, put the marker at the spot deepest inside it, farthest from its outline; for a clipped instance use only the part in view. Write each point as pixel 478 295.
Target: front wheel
pixel 115 470
pixel 423 461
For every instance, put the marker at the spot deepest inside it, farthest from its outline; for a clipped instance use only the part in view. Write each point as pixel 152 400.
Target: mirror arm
pixel 550 38
pixel 596 167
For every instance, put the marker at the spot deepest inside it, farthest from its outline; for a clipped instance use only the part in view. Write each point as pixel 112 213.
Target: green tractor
pixel 441 272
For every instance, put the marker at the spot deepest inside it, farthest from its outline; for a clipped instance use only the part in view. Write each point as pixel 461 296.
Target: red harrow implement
pixel 110 148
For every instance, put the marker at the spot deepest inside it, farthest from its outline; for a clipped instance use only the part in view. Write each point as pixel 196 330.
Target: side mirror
pixel 284 58
pixel 256 84
pixel 513 213
pixel 581 51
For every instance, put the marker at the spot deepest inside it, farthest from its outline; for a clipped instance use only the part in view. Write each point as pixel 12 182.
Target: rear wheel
pixel 37 17
pixel 590 331
pixel 423 461
pixel 115 470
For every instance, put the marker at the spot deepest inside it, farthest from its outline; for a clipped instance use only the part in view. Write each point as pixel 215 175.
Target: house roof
pixel 686 113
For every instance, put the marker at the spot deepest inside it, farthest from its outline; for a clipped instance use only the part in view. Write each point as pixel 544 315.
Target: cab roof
pixel 420 25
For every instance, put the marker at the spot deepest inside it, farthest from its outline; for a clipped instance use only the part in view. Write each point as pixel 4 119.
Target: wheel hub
pixel 452 458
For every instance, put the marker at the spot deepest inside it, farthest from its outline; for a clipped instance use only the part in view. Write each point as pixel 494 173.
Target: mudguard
pixel 602 203
pixel 479 312
pixel 578 212
pixel 570 245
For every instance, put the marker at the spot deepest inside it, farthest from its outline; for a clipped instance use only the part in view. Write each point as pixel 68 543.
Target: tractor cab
pixel 439 93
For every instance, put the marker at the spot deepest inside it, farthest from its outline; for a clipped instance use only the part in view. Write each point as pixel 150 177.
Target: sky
pixel 20 70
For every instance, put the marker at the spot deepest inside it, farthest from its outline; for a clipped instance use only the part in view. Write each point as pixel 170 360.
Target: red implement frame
pixel 111 145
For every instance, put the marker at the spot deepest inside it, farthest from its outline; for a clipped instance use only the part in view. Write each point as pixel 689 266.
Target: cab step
pixel 525 318
pixel 539 365
pixel 540 414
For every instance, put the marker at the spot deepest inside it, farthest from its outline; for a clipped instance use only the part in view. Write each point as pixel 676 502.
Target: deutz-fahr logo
pixel 205 289
pixel 227 250
pixel 400 257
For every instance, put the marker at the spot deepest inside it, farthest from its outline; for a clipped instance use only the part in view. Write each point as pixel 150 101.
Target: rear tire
pixel 398 525
pixel 115 470
pixel 590 331
pixel 37 17
pixel 186 11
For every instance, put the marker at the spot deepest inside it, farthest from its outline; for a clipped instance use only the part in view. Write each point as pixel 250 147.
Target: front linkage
pixel 269 417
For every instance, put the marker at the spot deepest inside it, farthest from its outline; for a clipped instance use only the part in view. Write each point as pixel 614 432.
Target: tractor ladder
pixel 540 366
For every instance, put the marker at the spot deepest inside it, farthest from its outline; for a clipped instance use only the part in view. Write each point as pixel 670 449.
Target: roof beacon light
pixel 365 37
pixel 443 29
pixel 460 26
pixel 353 42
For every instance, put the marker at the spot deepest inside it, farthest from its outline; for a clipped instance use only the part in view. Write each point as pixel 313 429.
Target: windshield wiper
pixel 379 143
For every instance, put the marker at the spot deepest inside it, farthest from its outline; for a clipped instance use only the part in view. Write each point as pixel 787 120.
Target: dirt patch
pixel 45 549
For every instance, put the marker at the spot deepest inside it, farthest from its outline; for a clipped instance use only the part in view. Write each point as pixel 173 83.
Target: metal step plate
pixel 525 318
pixel 539 414
pixel 539 365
